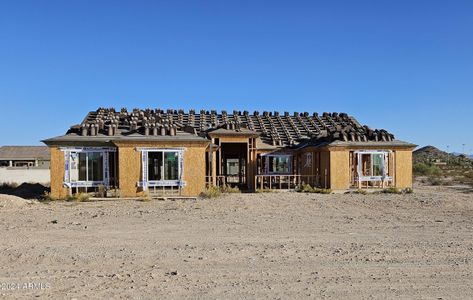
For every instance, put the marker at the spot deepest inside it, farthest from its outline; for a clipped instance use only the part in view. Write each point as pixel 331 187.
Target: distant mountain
pixel 458 154
pixel 431 154
pixel 442 168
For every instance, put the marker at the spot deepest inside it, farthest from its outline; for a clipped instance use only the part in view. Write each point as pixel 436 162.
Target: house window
pixel 378 164
pixel 86 167
pixel 171 166
pixel 372 164
pixel 89 166
pixel 233 166
pixel 278 164
pixel 155 163
pixel 161 167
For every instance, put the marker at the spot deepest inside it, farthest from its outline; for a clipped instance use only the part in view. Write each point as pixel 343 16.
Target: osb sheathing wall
pixel 320 166
pixel 339 169
pixel 129 170
pixel 57 174
pixel 129 164
pixel 403 174
pixel 325 169
pixel 316 170
pixel 305 167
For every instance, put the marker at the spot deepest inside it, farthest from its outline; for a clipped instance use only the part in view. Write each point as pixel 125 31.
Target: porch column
pixel 213 164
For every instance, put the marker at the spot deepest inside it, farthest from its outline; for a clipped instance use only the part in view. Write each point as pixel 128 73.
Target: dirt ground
pixel 267 245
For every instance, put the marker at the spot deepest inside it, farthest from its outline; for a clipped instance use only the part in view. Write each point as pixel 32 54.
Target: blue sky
pixel 406 66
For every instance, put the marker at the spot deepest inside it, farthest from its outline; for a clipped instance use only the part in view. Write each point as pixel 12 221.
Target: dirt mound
pixel 9 201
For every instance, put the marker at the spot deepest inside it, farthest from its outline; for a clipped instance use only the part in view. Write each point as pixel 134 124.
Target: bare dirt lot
pixel 268 245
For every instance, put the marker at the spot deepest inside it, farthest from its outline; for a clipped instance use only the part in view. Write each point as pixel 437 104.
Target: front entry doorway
pixel 234 163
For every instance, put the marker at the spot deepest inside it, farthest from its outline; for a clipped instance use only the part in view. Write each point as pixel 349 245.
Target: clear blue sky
pixel 406 66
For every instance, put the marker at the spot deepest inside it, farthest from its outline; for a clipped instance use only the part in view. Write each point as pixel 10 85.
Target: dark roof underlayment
pixel 274 129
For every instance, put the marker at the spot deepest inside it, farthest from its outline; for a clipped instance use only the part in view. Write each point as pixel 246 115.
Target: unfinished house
pixel 173 152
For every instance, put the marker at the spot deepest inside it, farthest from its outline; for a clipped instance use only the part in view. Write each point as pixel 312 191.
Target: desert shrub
pixel 307 188
pixel 392 190
pixel 408 190
pixel 229 189
pixel 101 191
pixel 78 197
pixel 81 197
pixel 264 190
pixel 145 197
pixel 211 192
pixel 360 191
pixel 47 197
pixel 216 191
pixel 423 169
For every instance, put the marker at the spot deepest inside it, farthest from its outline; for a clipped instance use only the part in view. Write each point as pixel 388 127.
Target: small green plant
pixel 408 190
pixel 265 191
pixel 323 191
pixel 423 169
pixel 101 191
pixel 307 188
pixel 229 189
pixel 145 196
pixel 47 197
pixel 392 190
pixel 361 192
pixel 78 197
pixel 211 192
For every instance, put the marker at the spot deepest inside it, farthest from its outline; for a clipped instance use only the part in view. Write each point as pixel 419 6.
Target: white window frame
pixel 266 164
pixel 385 165
pixel 145 182
pixel 69 151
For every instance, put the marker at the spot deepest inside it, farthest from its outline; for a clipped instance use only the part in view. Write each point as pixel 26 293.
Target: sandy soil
pixel 272 245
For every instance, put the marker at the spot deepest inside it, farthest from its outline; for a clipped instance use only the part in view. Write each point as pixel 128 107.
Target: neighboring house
pixel 24 156
pixel 156 151
pixel 20 164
